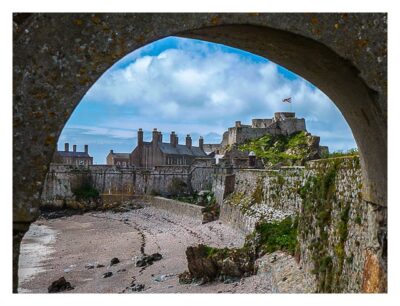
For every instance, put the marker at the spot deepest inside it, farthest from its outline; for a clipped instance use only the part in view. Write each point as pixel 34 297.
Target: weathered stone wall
pixel 262 194
pixel 176 207
pixel 61 180
pixel 336 230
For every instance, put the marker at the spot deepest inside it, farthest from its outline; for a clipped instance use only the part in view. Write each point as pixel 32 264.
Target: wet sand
pixel 64 246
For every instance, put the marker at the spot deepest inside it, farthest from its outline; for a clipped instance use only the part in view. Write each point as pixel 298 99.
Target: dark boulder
pixel 201 265
pixel 107 274
pixel 207 264
pixel 156 256
pixel 60 285
pixel 114 261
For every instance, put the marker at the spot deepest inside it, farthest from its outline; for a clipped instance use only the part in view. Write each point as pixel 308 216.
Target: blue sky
pixel 198 88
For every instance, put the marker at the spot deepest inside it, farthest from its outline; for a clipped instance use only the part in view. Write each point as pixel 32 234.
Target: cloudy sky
pixel 198 88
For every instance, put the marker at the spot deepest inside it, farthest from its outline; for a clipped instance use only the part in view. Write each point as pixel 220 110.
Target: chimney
pixel 140 137
pixel 172 139
pixel 160 136
pixel 111 151
pixel 66 145
pixel 155 136
pixel 238 123
pixel 188 141
pixel 86 149
pixel 176 140
pixel 201 143
pixel 74 148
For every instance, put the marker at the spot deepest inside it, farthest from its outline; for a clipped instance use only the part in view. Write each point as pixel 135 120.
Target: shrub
pixel 279 235
pixel 86 191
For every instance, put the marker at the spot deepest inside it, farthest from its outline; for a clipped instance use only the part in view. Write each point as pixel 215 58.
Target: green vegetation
pixel 86 192
pixel 267 237
pixel 316 219
pixel 317 195
pixel 258 194
pixel 280 235
pixel 348 153
pixel 205 199
pixel 289 150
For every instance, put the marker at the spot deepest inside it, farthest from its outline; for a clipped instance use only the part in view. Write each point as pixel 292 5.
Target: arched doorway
pixel 57 57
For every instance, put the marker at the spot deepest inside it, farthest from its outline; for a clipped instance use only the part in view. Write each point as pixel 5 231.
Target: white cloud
pixel 203 86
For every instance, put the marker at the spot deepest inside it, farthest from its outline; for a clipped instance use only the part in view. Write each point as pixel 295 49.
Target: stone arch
pixel 57 57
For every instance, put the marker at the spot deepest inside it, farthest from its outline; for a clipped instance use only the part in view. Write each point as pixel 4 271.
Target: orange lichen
pixel 96 19
pixel 216 20
pixel 78 22
pixel 314 20
pixel 374 280
pixel 361 42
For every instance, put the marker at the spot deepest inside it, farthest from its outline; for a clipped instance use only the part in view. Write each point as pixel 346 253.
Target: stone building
pixel 73 157
pixel 118 159
pixel 157 153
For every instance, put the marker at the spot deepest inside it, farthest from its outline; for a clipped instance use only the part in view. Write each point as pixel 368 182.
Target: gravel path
pixel 64 246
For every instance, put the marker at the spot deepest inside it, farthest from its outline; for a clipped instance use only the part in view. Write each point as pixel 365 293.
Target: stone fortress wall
pixel 61 180
pixel 336 240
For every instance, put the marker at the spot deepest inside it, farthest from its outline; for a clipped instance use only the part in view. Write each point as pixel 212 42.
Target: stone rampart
pixel 335 233
pixel 62 180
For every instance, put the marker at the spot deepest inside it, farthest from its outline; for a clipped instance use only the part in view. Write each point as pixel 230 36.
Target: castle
pixel 283 123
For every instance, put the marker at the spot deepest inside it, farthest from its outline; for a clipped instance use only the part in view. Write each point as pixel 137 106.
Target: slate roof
pixel 167 148
pixel 73 154
pixel 121 155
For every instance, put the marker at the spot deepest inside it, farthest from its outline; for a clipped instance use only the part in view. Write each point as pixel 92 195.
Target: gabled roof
pixel 72 154
pixel 167 148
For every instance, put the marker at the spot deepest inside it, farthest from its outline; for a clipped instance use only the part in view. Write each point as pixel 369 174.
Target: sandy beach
pixel 67 246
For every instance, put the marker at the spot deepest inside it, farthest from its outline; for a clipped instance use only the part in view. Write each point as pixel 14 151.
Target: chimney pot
pixel 201 142
pixel 86 148
pixel 140 137
pixel 66 145
pixel 74 148
pixel 172 139
pixel 188 141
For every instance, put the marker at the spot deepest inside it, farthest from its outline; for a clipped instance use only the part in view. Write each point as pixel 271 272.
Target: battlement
pixel 283 123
